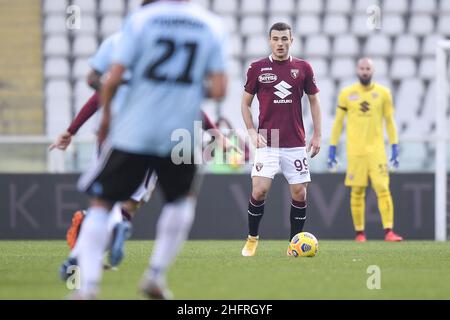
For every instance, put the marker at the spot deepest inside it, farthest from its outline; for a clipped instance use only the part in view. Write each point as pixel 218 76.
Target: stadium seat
pixel 56 68
pixel 296 49
pixel 429 44
pixel 308 6
pixel 403 68
pixel 359 25
pixel 88 24
pixel 443 26
pixel 110 24
pixel 342 68
pixel 335 24
pixel 343 83
pixel 86 6
pixel 327 92
pixel 397 6
pixel 81 68
pixel 380 66
pixel 57 88
pixel 135 4
pixel 231 105
pixel 281 6
pixel 412 87
pixel 378 45
pixel 318 45
pixel 234 45
pixel 406 45
pixel 112 6
pixel 341 6
pixel 320 67
pixel 384 81
pixel 444 6
pixel 82 92
pixel 279 18
pixel 54 6
pixel 229 6
pixel 55 24
pixel 421 25
pixel 253 7
pixel 56 46
pixel 84 45
pixel 420 6
pixel 234 69
pixel 230 23
pixel 252 24
pixel 346 45
pixel 256 45
pixel 307 24
pixel 427 68
pixel 393 24
pixel 361 6
pixel 58 115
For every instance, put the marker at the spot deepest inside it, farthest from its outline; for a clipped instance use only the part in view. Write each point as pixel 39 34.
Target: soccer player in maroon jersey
pixel 279 82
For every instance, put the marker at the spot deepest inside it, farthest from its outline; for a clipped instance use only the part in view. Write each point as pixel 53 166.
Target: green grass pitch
pixel 216 270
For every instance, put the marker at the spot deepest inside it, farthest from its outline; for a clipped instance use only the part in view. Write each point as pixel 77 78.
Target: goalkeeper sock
pixel 358 207
pixel 172 231
pixel 298 217
pixel 92 242
pixel 386 208
pixel 255 213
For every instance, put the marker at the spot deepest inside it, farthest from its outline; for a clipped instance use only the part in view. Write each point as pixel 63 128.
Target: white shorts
pixel 293 163
pixel 145 189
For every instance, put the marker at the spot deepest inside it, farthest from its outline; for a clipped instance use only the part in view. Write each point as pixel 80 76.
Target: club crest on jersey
pixel 294 73
pixel 258 166
pixel 267 78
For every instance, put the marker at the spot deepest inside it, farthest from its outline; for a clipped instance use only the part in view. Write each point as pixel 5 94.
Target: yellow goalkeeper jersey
pixel 365 109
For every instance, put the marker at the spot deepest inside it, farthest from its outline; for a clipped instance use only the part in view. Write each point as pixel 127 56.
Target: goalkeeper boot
pixel 67 268
pixel 153 289
pixel 74 230
pixel 360 236
pixel 249 249
pixel 391 236
pixel 121 232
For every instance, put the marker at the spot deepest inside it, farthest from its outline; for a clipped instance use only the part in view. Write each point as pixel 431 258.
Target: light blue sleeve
pixel 101 60
pixel 217 58
pixel 128 46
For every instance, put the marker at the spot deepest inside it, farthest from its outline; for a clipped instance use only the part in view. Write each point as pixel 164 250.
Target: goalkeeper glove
pixel 394 155
pixel 332 161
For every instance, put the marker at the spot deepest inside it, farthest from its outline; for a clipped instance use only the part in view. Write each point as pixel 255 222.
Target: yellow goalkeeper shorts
pixel 360 169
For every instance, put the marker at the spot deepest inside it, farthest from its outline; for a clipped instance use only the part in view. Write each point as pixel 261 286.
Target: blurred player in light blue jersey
pixel 167 54
pixel 175 53
pixel 119 226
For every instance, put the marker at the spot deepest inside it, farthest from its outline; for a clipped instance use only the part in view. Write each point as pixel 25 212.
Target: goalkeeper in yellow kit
pixel 366 104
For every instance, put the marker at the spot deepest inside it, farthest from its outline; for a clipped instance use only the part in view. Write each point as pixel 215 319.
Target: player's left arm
pixel 314 144
pixel 391 128
pixel 109 88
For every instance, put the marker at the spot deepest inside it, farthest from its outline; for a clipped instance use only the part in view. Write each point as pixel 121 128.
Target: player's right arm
pixel 89 108
pixel 258 140
pixel 250 89
pixel 338 124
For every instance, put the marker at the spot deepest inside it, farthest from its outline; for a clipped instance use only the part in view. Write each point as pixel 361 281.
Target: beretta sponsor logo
pixel 267 78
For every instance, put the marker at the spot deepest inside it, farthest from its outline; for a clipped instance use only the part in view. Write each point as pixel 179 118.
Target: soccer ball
pixel 304 244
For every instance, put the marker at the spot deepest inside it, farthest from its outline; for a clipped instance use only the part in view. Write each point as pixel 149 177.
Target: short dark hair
pixel 280 26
